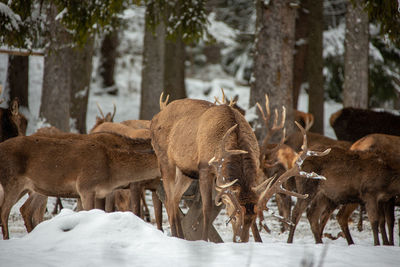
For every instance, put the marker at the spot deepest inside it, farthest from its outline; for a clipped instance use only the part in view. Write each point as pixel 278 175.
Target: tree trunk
pixel 18 79
pixel 273 60
pixel 174 73
pixel 81 72
pixel 315 65
pixel 56 78
pixel 152 83
pixel 355 86
pixel 107 61
pixel 301 46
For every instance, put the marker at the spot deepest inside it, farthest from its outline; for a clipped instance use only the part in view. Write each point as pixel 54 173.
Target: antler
pixel 224 100
pixel 109 117
pixel 163 104
pixel 223 153
pixel 274 185
pixel 223 186
pixel 100 110
pixel 275 127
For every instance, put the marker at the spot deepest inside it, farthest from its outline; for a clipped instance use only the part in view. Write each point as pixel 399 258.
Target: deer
pixel 351 124
pixel 13 122
pixel 387 147
pixel 196 139
pixel 50 166
pixel 363 178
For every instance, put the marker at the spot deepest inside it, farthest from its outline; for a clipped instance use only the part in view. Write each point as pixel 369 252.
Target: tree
pixel 57 75
pixel 301 46
pixel 315 64
pixel 182 22
pixel 18 79
pixel 174 70
pixel 355 86
pixel 152 83
pixel 273 59
pixel 80 87
pixel 108 57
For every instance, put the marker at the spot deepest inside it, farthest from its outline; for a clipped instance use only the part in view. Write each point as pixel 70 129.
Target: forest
pixel 129 78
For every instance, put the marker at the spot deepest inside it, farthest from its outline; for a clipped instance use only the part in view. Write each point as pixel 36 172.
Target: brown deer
pixel 387 147
pixel 352 177
pixel 85 166
pixel 351 124
pixel 13 123
pixel 314 140
pixel 216 145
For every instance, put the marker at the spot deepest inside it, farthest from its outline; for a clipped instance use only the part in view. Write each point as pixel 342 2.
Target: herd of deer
pixel 188 140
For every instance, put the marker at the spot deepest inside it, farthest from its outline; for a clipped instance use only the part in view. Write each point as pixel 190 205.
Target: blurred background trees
pixel 274 47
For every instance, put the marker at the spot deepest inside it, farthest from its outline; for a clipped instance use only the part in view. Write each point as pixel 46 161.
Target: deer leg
pixel 343 219
pixel 58 206
pixel 157 204
pixel 284 203
pixel 40 203
pixel 168 181
pixel 205 184
pixel 135 197
pixel 256 234
pixel 110 202
pixel 371 207
pixel 326 214
pixel 146 212
pixel 389 216
pixel 382 222
pixel 184 183
pixel 88 200
pixel 317 206
pixel 100 203
pixel 298 209
pixel 10 198
pixel 360 219
pixel 26 212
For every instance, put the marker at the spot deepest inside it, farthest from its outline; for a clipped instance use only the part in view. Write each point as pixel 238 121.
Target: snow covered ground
pixel 94 238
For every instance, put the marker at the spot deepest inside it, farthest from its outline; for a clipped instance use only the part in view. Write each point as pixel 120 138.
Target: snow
pixel 95 238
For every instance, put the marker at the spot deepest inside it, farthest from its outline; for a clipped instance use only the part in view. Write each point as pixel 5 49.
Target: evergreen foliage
pixel 186 18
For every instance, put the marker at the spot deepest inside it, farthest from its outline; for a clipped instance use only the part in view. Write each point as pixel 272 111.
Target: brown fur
pixel 86 166
pixel 185 136
pixel 13 123
pixel 351 177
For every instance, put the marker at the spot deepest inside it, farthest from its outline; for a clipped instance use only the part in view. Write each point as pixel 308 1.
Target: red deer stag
pixel 50 166
pixel 216 145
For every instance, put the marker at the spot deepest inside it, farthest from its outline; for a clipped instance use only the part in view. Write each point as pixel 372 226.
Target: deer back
pixel 188 132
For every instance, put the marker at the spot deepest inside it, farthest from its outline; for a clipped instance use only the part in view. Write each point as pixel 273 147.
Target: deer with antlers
pixel 216 145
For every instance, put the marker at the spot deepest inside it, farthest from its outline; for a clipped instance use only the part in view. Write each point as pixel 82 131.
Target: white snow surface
pixel 95 238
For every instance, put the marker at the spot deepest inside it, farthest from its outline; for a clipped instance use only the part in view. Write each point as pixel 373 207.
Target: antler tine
pixel 163 104
pixel 114 111
pixel 230 198
pixel 232 102
pixel 223 96
pixel 225 152
pixel 101 111
pixel 309 123
pixel 276 187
